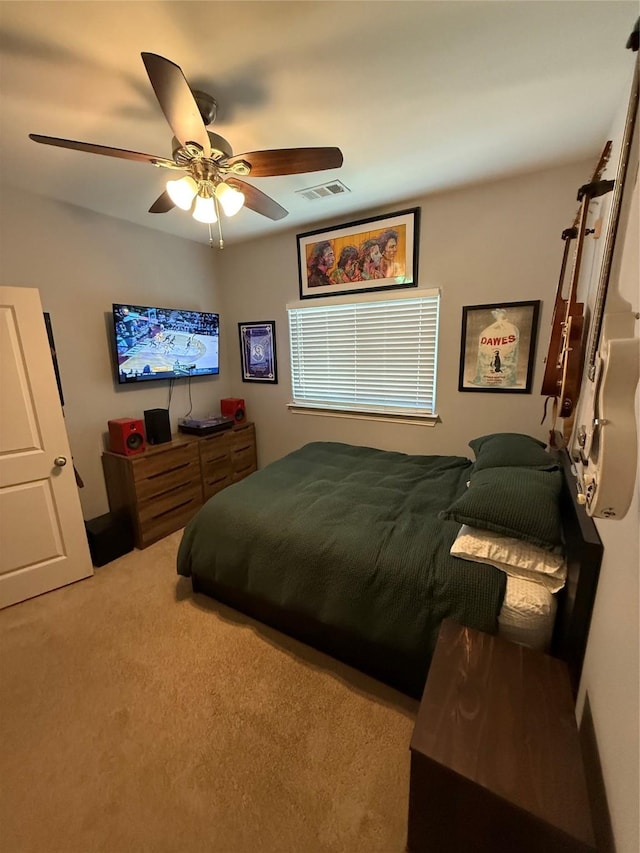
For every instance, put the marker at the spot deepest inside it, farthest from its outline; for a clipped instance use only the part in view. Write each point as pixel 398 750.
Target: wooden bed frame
pixel 575 604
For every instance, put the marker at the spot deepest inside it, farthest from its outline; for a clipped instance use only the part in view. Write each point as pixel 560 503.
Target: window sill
pixel 388 417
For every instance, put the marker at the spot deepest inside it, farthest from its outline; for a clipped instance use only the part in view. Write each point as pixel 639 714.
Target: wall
pixel 494 242
pixel 82 262
pixel 610 686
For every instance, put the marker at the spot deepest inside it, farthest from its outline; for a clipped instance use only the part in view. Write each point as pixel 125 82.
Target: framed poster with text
pixel 498 347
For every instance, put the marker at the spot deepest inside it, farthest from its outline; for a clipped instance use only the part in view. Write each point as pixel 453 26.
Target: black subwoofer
pixel 109 536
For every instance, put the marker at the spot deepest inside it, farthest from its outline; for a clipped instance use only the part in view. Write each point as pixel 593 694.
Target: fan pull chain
pixel 215 201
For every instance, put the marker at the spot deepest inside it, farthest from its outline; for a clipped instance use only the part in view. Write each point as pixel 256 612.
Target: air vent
pixel 324 190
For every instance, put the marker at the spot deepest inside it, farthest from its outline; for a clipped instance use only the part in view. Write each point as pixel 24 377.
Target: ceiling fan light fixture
pixel 204 210
pixel 230 198
pixel 182 192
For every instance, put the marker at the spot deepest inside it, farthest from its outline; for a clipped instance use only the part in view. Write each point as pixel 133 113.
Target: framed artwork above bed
pixel 498 347
pixel 378 253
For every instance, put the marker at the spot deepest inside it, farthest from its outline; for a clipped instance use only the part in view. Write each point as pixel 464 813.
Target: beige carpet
pixel 137 717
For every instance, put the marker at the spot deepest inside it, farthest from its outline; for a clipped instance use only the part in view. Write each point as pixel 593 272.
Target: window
pixel 374 355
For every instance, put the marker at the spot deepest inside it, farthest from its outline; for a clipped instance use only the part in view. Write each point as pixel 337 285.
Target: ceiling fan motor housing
pixel 220 149
pixel 207 106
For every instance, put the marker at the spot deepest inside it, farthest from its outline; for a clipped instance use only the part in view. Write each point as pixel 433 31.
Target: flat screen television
pixel 164 343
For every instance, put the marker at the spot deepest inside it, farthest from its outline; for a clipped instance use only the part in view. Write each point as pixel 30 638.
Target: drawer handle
pixel 166 471
pixel 242 449
pixel 217 459
pixel 174 508
pixel 174 488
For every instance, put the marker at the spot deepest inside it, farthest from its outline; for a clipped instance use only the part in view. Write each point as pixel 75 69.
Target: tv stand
pixel 163 487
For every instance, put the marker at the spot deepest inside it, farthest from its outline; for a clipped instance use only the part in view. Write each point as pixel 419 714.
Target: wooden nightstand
pixel 495 756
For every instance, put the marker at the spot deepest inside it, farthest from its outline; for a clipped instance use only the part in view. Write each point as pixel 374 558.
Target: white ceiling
pixel 419 96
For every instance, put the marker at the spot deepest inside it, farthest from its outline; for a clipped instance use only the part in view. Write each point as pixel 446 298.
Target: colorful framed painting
pixel 258 351
pixel 371 254
pixel 498 347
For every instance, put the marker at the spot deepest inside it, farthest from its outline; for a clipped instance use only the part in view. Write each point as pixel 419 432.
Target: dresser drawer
pixel 243 452
pixel 216 475
pixel 176 498
pixel 242 437
pixel 183 473
pixel 214 447
pixel 243 463
pixel 160 517
pixel 216 484
pixel 152 463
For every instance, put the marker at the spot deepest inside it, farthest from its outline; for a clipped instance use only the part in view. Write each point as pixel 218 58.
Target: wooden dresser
pixel 495 754
pixel 161 488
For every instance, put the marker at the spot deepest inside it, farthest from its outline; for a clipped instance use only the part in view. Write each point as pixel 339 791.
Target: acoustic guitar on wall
pixel 563 365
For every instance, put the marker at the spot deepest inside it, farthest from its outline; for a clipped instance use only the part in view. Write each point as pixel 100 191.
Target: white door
pixel 43 544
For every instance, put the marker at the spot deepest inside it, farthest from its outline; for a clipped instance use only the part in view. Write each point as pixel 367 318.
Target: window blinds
pixel 373 355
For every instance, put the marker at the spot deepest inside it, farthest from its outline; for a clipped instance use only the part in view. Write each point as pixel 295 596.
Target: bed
pixel 353 550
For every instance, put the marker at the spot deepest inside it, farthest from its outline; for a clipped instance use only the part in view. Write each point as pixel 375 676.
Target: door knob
pixel 60 461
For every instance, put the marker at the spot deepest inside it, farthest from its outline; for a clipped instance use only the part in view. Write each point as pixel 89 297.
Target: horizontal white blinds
pixel 366 356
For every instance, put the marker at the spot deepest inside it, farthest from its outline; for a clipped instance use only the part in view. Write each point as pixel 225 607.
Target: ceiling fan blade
pixel 257 201
pixel 162 204
pixel 90 148
pixel 289 161
pixel 176 101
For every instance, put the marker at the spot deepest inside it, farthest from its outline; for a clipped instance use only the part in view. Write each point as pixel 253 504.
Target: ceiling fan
pixel 212 174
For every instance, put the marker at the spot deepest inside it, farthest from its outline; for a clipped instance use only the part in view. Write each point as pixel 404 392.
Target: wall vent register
pixel 324 190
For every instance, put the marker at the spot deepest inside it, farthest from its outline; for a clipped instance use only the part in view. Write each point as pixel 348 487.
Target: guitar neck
pixel 612 230
pixel 585 197
pixel 586 194
pixel 564 308
pixel 570 359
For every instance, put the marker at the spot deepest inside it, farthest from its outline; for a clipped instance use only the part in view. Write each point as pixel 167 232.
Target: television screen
pixel 164 343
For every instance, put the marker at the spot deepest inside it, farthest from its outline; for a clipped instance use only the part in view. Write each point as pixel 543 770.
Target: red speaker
pixel 233 407
pixel 126 435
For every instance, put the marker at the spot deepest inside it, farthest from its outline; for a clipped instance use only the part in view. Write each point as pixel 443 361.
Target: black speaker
pixel 109 536
pixel 157 426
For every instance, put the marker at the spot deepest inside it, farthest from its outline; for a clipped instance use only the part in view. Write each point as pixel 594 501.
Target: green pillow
pixel 519 502
pixel 504 449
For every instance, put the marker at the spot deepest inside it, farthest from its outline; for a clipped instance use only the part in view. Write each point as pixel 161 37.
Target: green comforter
pixel 349 537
